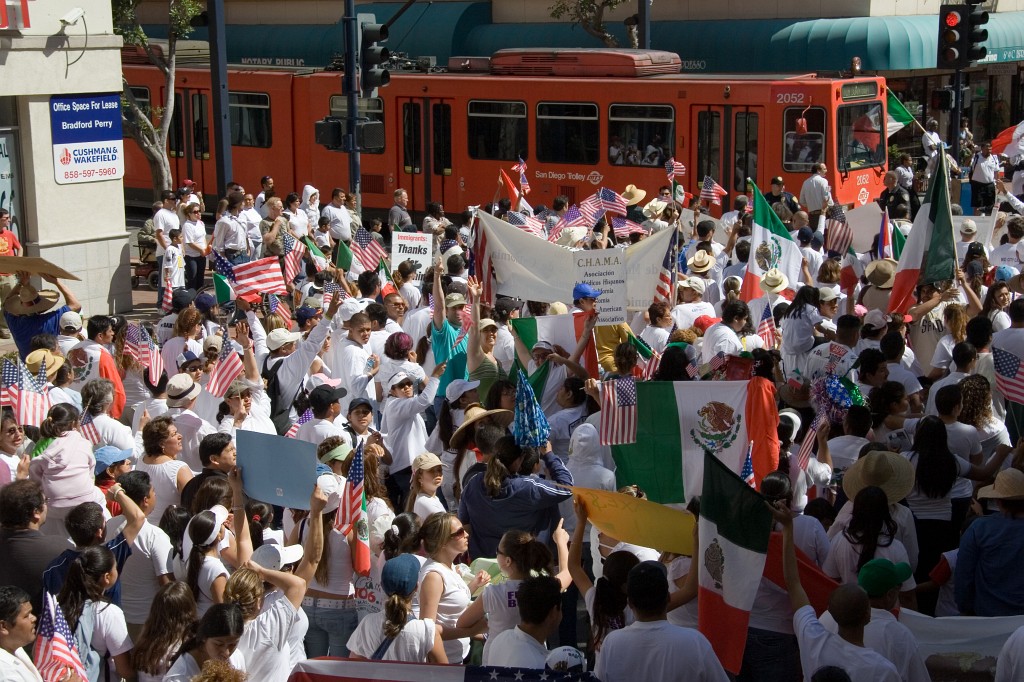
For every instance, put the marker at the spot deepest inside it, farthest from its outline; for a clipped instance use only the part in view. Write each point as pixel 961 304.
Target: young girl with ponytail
pixel 396 634
pixel 99 628
pixel 215 638
pixel 171 619
pixel 520 556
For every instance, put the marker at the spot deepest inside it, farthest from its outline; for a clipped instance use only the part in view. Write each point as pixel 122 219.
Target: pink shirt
pixel 66 470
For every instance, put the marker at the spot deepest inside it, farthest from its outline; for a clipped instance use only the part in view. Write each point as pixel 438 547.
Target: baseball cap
pixel 397 378
pixel 426 461
pixel 181 389
pixel 543 345
pixel 817 239
pixel 360 402
pixel 205 302
pixel 876 319
pixel 280 337
pixel 968 226
pixel 276 557
pixel 1004 273
pixel 486 323
pixel 349 308
pixel 70 321
pixel 323 396
pixel 804 235
pixel 704 322
pixel 878 576
pixel 584 290
pixel 826 294
pixel 213 342
pixel 695 283
pixel 181 299
pixel 237 388
pixel 777 180
pixel 108 455
pixel 185 358
pixel 400 575
pixel 304 314
pixel 457 387
pixel 507 305
pixel 566 659
pixel 453 300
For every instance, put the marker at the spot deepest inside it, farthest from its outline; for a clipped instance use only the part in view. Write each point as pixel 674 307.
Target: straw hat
pixel 38 357
pixel 31 302
pixel 881 273
pixel 702 261
pixel 1009 485
pixel 633 195
pixel 475 413
pixel 654 208
pixel 890 471
pixel 774 281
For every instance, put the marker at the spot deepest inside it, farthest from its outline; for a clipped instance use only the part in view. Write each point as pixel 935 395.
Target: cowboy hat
pixel 31 302
pixel 890 471
pixel 633 195
pixel 475 413
pixel 774 281
pixel 40 357
pixel 654 208
pixel 1009 485
pixel 881 273
pixel 702 261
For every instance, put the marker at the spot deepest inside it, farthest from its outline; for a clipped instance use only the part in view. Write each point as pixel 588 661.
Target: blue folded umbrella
pixel 530 427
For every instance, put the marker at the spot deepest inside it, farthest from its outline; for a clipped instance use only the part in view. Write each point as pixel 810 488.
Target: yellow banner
pixel 639 522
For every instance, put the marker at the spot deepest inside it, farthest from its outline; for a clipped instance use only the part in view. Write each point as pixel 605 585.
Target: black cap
pixel 321 397
pixel 359 402
pixel 182 298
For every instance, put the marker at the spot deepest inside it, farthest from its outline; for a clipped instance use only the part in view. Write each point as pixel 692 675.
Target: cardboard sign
pixel 277 470
pixel 639 522
pixel 414 246
pixel 36 266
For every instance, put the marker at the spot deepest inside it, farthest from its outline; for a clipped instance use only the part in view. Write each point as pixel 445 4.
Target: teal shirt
pixel 442 341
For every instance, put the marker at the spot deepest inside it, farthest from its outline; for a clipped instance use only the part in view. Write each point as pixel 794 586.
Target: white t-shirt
pixel 425 505
pixel 685 313
pixel 897 372
pixel 686 615
pixel 264 642
pixel 502 609
pixel 110 634
pixel 18 667
pixel 211 569
pixel 844 555
pixel 164 477
pixel 845 450
pixel 562 425
pixel 940 508
pixel 964 441
pixel 1010 664
pixel 455 598
pixel 186 667
pixel 719 338
pixel 150 558
pixel 341 222
pixel 174 266
pixel 655 337
pixel 516 649
pixel 412 645
pixel 820 648
pixel 164 221
pixel 657 650
pixel 893 640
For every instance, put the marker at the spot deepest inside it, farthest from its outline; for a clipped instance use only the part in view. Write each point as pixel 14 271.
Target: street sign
pixel 88 145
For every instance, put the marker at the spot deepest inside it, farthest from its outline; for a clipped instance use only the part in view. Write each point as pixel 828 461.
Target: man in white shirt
pixel 341 221
pixel 814 258
pixel 881 579
pixel 849 607
pixel 983 174
pixel 164 221
pixel 17 630
pixel 350 361
pixel 70 332
pixel 968 231
pixel 267 184
pixel 816 195
pixel 1009 254
pixel 539 600
pixel 965 357
pixel 693 306
pixel 845 449
pixel 839 355
pixel 893 346
pixel 651 648
pixel 229 234
pixel 723 337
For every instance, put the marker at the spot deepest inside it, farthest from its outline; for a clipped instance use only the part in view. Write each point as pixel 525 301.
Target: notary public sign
pixel 88 145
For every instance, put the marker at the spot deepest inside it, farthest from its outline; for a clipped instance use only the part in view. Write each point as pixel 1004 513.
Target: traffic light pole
pixel 958 112
pixel 351 89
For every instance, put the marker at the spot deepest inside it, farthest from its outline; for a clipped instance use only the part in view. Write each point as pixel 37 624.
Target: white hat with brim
pixel 220 516
pixel 181 390
pixel 793 417
pixel 31 302
pixel 276 557
pixel 570 235
pixel 1009 485
pixel 474 413
pixel 774 281
pixel 397 378
pixel 701 262
pixel 890 471
pixel 281 337
pixel 457 387
pixel 654 208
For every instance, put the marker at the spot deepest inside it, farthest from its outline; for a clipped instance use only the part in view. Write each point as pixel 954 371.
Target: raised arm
pixel 313 547
pixel 474 354
pixel 797 596
pixel 438 318
pixel 575 559
pixel 134 516
pixel 243 543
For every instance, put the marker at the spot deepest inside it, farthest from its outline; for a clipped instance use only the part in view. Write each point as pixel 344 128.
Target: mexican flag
pixel 929 254
pixel 770 247
pixel 676 422
pixel 558 330
pixel 735 526
pixel 316 254
pixel 897 116
pixel 387 285
pixel 222 287
pixel 343 256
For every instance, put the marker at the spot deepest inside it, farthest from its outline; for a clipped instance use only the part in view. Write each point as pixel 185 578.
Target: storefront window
pixel 10 168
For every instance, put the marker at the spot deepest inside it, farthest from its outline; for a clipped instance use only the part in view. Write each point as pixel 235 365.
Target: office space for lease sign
pixel 88 145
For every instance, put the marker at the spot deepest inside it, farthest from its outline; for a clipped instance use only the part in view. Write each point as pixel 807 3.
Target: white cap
pixel 457 387
pixel 349 308
pixel 280 337
pixel 826 294
pixel 695 283
pixel 876 319
pixel 331 486
pixel 397 378
pixel 275 557
pixel 70 320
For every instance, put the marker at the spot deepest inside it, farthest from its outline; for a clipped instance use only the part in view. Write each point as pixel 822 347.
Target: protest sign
pixel 639 522
pixel 277 470
pixel 985 224
pixel 605 270
pixel 414 246
pixel 865 222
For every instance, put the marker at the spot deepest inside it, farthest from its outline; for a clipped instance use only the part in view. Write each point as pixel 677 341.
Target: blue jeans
pixel 329 630
pixel 770 657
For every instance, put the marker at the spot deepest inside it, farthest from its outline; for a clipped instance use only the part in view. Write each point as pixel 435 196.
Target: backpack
pixel 97 666
pixel 280 404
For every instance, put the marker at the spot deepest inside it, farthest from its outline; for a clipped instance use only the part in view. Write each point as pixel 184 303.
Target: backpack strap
pixel 382 649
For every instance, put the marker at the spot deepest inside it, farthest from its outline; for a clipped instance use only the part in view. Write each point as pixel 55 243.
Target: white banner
pixel 414 246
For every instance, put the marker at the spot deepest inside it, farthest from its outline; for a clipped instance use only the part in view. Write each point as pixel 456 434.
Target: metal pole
pixel 351 89
pixel 644 24
pixel 958 111
pixel 219 81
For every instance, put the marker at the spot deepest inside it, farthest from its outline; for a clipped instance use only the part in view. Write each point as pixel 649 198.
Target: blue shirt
pixel 989 580
pixel 24 327
pixel 57 572
pixel 446 350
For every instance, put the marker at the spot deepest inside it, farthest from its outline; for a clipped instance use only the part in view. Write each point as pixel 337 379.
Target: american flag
pixel 665 291
pixel 332 289
pixel 651 368
pixel 716 363
pixel 150 357
pixel 275 306
pixel 747 473
pixel 623 227
pixel 482 262
pixel 293 253
pixel 590 210
pixel 692 370
pixel 55 651
pixel 227 369
pixel 87 427
pixel 351 506
pixel 525 223
pixel 304 418
pixel 611 201
pixel 521 169
pixel 368 250
pixel 885 236
pixel 838 234
pixel 674 169
pixel 1009 374
pixel 255 277
pixel 766 327
pixel 133 342
pixel 618 411
pixel 166 304
pixel 346 670
pixel 804 455
pixel 23 393
pixel 571 218
pixel 712 191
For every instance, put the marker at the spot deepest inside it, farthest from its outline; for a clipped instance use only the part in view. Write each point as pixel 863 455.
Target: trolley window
pixel 640 134
pixel 249 113
pixel 709 144
pixel 567 132
pixel 200 127
pixel 860 131
pixel 141 96
pixel 371 109
pixel 745 144
pixel 801 148
pixel 412 138
pixel 441 115
pixel 497 130
pixel 176 134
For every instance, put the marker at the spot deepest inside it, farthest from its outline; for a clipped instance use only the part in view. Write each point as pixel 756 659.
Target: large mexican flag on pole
pixel 558 330
pixel 770 247
pixel 929 254
pixel 676 422
pixel 735 526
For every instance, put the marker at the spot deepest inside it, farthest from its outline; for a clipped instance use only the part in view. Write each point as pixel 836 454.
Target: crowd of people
pixel 126 506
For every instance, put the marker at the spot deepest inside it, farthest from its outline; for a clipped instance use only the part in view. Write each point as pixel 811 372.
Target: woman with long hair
pixel 396 634
pixel 954 317
pixel 889 406
pixel 162 444
pixel 97 401
pixel 997 300
pixel 976 411
pixel 501 396
pixel 427 476
pixel 802 329
pixel 502 500
pixel 674 362
pixel 444 595
pixel 64 465
pixel 171 618
pixel 214 638
pixel 483 336
pixel 99 627
pixel 520 556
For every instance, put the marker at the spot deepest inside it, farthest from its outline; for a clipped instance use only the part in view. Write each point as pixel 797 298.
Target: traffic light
pixel 372 74
pixel 976 17
pixel 942 100
pixel 953 43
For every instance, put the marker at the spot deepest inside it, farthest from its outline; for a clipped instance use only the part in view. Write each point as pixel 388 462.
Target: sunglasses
pixel 404 384
pixel 192 368
pixel 460 533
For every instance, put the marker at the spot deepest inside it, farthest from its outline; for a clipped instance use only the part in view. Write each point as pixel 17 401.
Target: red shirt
pixel 8 245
